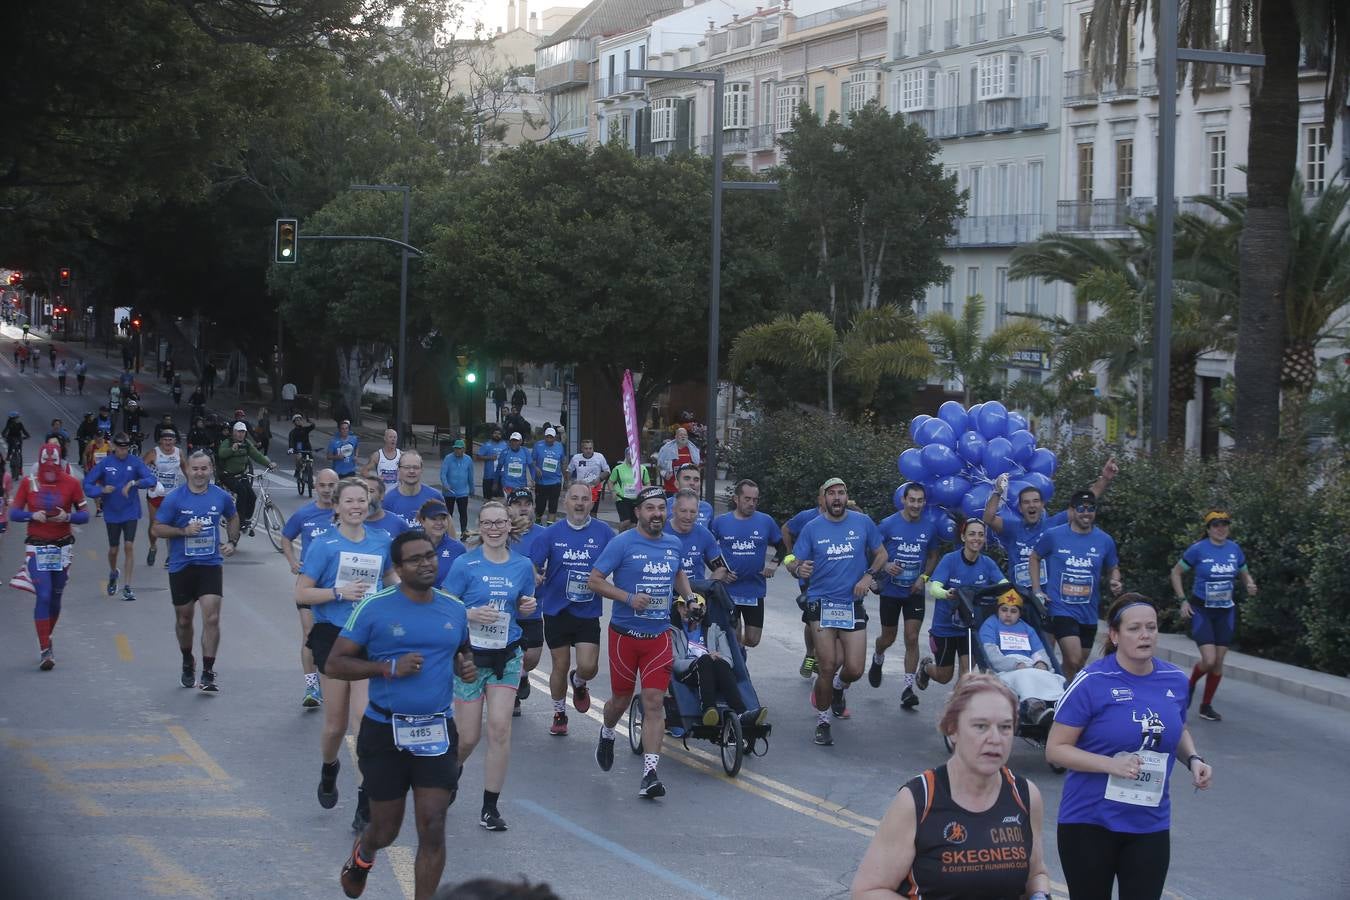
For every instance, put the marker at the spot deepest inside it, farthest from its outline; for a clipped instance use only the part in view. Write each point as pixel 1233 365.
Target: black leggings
pixel 714 677
pixel 1093 858
pixel 460 505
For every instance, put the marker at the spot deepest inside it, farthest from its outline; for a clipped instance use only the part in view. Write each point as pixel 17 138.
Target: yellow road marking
pixel 199 756
pixel 65 740
pixel 208 812
pixel 92 555
pixel 59 783
pixel 123 648
pixel 401 861
pixel 157 786
pixel 139 762
pixel 169 879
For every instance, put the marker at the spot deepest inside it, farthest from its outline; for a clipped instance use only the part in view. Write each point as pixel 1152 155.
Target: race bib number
pixel 1014 641
pixel 746 601
pixel 99 455
pixel 1075 587
pixel 577 590
pixel 491 635
pixel 659 607
pixel 345 451
pixel 358 567
pixel 421 735
pixel 49 559
pixel 836 614
pixel 389 477
pixel 550 464
pixel 203 543
pixel 515 469
pixel 1145 789
pixel 1022 574
pixel 1218 593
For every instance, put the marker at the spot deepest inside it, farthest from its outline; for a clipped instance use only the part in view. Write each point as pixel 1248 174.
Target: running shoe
pixel 908 699
pixel 874 673
pixel 47 662
pixel 921 677
pixel 313 699
pixel 559 726
pixel 354 872
pixel 823 734
pixel 581 696
pixel 755 717
pixel 837 704
pixel 651 786
pixel 808 666
pixel 523 692
pixel 112 582
pixel 492 820
pixel 127 594
pixel 189 677
pixel 208 684
pixel 1210 713
pixel 151 554
pixel 328 789
pixel 711 716
pixel 604 753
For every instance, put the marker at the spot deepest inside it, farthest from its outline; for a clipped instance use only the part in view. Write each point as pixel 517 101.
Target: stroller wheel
pixel 733 744
pixel 635 724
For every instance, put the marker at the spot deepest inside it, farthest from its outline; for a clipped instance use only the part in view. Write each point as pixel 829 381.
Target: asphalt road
pixel 118 783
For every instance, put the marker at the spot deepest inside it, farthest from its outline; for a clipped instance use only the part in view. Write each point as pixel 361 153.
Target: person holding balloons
pixel 950 638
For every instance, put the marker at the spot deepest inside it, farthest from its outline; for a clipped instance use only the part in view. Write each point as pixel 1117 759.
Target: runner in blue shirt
pixel 306 523
pixel 409 642
pixel 377 516
pixel 118 479
pixel 949 638
pixel 689 477
pixel 699 549
pixel 496 586
pixel 343 566
pixel 1073 556
pixel 488 453
pixel 515 464
pixel 434 519
pixel 1119 729
pixel 457 483
pixel 342 450
pixel 564 555
pixel 190 516
pixel 745 535
pixel 525 531
pixel 550 461
pixel 840 555
pixel 791 528
pixel 407 497
pixel 1217 563
pixel 645 564
pixel 911 541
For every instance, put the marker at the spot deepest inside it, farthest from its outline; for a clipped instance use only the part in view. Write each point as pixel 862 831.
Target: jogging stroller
pixel 732 738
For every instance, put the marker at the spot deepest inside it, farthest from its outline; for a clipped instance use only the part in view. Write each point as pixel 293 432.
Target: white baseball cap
pixel 240 426
pixel 515 436
pixel 549 432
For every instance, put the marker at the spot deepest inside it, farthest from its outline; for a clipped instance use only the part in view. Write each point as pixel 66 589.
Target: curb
pixel 1305 684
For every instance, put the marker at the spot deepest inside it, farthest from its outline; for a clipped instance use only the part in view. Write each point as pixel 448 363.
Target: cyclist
pixel 170 468
pixel 299 441
pixel 119 478
pixel 15 434
pixel 307 523
pixel 1217 563
pixel 912 547
pixel 50 501
pixel 234 456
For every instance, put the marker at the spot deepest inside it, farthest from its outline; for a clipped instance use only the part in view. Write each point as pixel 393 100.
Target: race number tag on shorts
pixel 1218 593
pixel 1014 641
pixel 421 735
pixel 203 543
pixel 49 559
pixel 659 607
pixel 491 635
pixel 515 468
pixel 359 567
pixel 1146 789
pixel 1075 587
pixel 577 590
pixel 550 464
pixel 746 601
pixel 836 613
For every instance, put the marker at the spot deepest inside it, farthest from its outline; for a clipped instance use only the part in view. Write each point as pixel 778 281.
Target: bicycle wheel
pixel 300 480
pixel 271 517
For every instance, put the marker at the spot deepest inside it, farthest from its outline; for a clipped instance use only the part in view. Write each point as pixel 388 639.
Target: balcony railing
pixel 1006 22
pixel 984 116
pixel 740 140
pixel 999 231
pixel 925 39
pixel 618 86
pixel 1036 15
pixel 563 75
pixel 1148 77
pixel 762 137
pixel 977 28
pixel 951 33
pixel 1079 89
pixel 1125 86
pixel 839 13
pixel 900 49
pixel 1102 215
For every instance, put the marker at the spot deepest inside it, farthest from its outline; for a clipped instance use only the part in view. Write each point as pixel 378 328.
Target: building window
pixel 765 112
pixel 975 202
pixel 820 102
pixel 788 98
pixel 1084 27
pixel 1085 173
pixel 862 89
pixel 1315 159
pixel 1216 146
pixel 736 105
pixel 998 76
pixel 1035 185
pixel 1000 297
pixel 972 281
pixel 947 305
pixel 917 87
pixel 1033 296
pixel 663 119
pixel 1124 170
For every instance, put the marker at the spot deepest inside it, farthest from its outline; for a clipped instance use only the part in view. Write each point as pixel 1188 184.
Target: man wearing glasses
pixel 411 493
pixel 1074 556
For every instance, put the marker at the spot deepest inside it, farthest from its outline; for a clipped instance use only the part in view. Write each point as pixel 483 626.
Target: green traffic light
pixel 470 377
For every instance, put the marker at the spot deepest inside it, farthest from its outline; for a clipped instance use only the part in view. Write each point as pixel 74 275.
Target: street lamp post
pixel 406 191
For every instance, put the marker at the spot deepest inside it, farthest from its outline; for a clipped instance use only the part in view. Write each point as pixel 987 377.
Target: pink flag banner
pixel 630 423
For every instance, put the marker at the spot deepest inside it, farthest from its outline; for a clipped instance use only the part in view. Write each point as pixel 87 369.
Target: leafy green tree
pixel 966 355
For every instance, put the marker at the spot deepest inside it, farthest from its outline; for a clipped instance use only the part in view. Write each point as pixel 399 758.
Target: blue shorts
pixel 1214 625
pixel 469 691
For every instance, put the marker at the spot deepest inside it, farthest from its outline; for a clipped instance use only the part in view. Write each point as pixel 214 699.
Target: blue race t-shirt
pixel 566 554
pixel 490 451
pixel 447 551
pixel 954 571
pixel 794 526
pixel 179 508
pixel 1019 539
pixel 524 545
pixel 1216 568
pixel 475 580
pixel 390 523
pixel 115 473
pixel 334 561
pixel 705 512
pixel 389 625
pixel 343 452
pixel 697 549
pixel 907 544
pixel 513 468
pixel 1018 639
pixel 744 544
pixel 1073 566
pixel 307 523
pixel 841 552
pixel 548 463
pixel 1124 713
pixel 642 565
pixel 396 502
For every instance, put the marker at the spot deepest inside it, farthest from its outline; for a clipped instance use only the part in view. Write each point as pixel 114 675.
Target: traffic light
pixel 15 278
pixel 63 275
pixel 466 374
pixel 136 323
pixel 288 240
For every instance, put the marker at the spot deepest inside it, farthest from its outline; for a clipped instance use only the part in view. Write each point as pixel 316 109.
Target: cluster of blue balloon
pixel 958 455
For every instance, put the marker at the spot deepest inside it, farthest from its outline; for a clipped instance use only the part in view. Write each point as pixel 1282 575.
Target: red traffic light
pixel 64 274
pixel 136 323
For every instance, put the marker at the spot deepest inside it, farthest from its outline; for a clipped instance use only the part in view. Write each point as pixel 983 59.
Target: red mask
pixel 49 462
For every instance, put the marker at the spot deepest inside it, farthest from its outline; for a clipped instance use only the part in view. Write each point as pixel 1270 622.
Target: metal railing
pixel 925 39
pixel 1124 86
pixel 1006 21
pixel 899 51
pixel 951 33
pixel 839 13
pixel 984 116
pixel 1079 89
pixel 564 74
pixel 619 84
pixel 1112 214
pixel 999 231
pixel 762 137
pixel 978 28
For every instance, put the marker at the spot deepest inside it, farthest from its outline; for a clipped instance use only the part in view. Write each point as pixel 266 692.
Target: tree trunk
pixel 1298 377
pixel 1263 268
pixel 351 381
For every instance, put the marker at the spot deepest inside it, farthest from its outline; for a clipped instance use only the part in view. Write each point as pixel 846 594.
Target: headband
pixel 1115 620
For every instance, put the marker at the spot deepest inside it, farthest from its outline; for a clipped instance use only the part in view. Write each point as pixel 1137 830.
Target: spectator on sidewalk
pixel 498 392
pixel 209 379
pixel 518 397
pixel 457 483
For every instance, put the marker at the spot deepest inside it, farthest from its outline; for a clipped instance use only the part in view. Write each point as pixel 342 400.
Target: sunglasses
pixel 1085 508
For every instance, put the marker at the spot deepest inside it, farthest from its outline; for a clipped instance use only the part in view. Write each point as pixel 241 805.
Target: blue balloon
pixel 1023 446
pixel 971 447
pixel 954 414
pixel 993 420
pixel 1017 422
pixel 975 499
pixel 949 491
pixel 946 527
pixel 915 422
pixel 911 464
pixel 1043 461
pixel 998 456
pixel 973 415
pixel 1040 483
pixel 898 498
pixel 1015 488
pixel 940 460
pixel 935 431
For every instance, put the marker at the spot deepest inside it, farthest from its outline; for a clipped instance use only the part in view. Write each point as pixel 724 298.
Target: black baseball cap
pixel 649 493
pixel 520 494
pixel 1082 497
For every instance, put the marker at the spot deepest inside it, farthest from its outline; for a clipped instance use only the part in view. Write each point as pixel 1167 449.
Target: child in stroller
pixel 1013 650
pixel 703 662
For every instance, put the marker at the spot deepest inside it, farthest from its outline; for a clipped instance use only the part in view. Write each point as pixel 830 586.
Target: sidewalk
pixel 1306 684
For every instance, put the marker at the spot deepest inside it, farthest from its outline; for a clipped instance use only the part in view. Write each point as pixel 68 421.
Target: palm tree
pixel 972 359
pixel 879 342
pixel 1317 29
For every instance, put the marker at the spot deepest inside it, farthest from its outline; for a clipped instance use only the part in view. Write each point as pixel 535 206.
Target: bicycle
pixel 272 520
pixel 16 461
pixel 304 471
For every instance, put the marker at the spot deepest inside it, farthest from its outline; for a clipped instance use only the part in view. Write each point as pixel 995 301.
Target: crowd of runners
pixel 419 634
